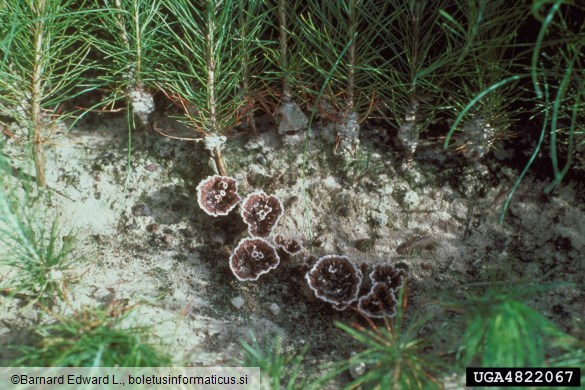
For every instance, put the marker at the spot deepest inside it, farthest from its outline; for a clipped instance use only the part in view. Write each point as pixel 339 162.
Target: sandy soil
pixel 146 240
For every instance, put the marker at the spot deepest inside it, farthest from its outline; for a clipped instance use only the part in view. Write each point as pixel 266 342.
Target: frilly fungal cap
pixel 218 195
pixel 379 303
pixel 252 258
pixel 289 245
pixel 261 213
pixel 386 273
pixel 335 279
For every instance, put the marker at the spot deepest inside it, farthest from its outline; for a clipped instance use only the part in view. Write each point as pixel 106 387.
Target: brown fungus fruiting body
pixel 335 279
pixel 252 258
pixel 261 213
pixel 289 245
pixel 386 273
pixel 380 302
pixel 218 195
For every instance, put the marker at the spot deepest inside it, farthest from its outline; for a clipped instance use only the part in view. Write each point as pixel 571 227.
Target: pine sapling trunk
pixel 284 50
pixel 289 117
pixel 36 126
pixel 246 69
pixel 409 132
pixel 250 114
pixel 120 20
pixel 348 128
pixel 213 126
pixel 351 59
pixel 218 159
pixel 139 100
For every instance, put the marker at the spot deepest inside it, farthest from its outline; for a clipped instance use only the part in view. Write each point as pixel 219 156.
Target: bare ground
pixel 146 241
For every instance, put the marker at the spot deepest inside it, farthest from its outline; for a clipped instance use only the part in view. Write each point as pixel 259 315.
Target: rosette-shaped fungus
pixel 261 213
pixel 380 302
pixel 389 275
pixel 289 245
pixel 335 279
pixel 218 195
pixel 252 258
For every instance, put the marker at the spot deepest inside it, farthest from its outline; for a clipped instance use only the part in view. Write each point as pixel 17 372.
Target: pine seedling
pixel 43 59
pixel 482 35
pixel 394 356
pixel 556 73
pixel 284 57
pixel 558 63
pixel 91 337
pixel 287 58
pixel 279 369
pixel 342 49
pixel 37 254
pixel 134 44
pixel 252 24
pixel 207 81
pixel 415 69
pixel 573 352
pixel 501 331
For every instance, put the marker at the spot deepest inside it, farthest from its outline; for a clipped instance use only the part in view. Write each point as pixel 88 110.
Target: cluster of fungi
pixel 339 281
pixel 257 254
pixel 334 279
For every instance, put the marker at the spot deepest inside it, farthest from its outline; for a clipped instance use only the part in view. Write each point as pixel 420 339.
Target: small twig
pixel 467 231
pixel 175 137
pixel 101 110
pixel 9 293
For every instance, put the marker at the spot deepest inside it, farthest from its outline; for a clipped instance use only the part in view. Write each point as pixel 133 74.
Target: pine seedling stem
pixel 42 68
pixel 284 49
pixel 138 40
pixel 216 152
pixel 211 72
pixel 246 67
pixel 206 78
pixel 35 127
pixel 355 28
pixel 251 25
pixel 351 59
pixel 219 163
pixel 413 68
pixel 120 20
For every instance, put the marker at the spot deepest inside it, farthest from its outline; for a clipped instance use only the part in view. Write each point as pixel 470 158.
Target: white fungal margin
pixel 370 295
pixel 245 241
pixel 225 186
pixel 354 294
pixel 246 215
